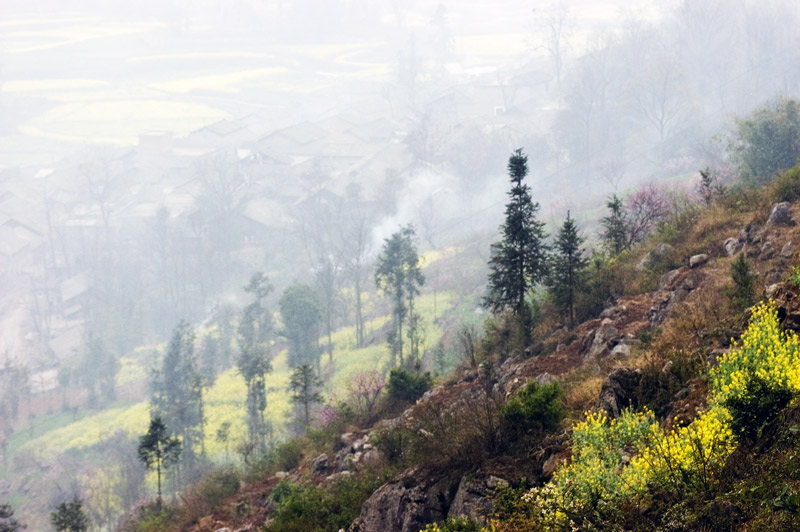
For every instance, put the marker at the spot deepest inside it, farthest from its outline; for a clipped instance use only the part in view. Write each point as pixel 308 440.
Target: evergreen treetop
pixel 519 260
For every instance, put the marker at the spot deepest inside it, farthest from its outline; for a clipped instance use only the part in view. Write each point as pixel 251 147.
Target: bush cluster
pixel 303 507
pixel 406 387
pixel 533 411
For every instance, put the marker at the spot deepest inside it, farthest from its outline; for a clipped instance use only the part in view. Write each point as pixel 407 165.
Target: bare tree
pixel 556 22
pixel 645 208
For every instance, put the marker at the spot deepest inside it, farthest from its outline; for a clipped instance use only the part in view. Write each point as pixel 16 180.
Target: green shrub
pixel 287 455
pixel 757 405
pixel 302 508
pixel 405 387
pixel 392 443
pixel 283 457
pixel 218 486
pixel 787 185
pixel 742 292
pixel 533 411
pixel 768 141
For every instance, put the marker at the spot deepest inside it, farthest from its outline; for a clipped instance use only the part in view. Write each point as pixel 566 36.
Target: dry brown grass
pixel 581 392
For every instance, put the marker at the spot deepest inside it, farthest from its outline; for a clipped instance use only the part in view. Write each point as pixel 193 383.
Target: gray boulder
pixel 408 502
pixel 619 391
pixel 780 214
pixel 732 246
pixel 698 260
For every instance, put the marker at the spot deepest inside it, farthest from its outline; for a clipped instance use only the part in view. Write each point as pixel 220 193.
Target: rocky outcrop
pixel 780 214
pixel 408 502
pixel 619 391
pixel 603 340
pixel 356 451
pixel 474 496
pixel 675 292
pixel 787 299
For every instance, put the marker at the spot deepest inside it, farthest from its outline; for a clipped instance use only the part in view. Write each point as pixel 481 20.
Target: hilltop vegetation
pixel 670 400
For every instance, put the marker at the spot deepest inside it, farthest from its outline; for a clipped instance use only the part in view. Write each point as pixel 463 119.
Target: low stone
pixel 551 464
pixel 767 251
pixel 621 350
pixel 732 246
pixel 698 260
pixel 780 214
pixel 496 482
pixel 787 250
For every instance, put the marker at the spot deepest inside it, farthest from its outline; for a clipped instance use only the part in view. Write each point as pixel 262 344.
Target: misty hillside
pixel 299 265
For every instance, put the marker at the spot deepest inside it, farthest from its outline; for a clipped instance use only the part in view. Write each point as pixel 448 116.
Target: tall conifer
pixel 519 260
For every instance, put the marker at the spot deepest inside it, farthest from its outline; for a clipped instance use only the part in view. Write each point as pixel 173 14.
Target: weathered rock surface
pixel 668 299
pixel 619 391
pixel 604 339
pixel 787 250
pixel 698 260
pixel 320 464
pixel 787 298
pixel 767 251
pixel 473 498
pixel 732 246
pixel 408 502
pixel 780 214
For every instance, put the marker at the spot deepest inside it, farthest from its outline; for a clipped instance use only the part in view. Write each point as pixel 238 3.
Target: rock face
pixel 408 502
pixel 619 391
pixel 787 298
pixel 473 497
pixel 355 452
pixel 668 299
pixel 780 214
pixel 604 339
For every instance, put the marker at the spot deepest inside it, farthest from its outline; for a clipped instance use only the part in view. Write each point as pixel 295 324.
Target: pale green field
pixel 224 401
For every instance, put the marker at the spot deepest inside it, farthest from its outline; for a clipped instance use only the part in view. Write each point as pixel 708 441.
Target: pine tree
pixel 178 393
pixel 399 274
pixel 252 336
pixel 302 315
pixel 742 292
pixel 158 449
pixel 567 269
pixel 519 260
pixel 304 385
pixel 7 521
pixel 70 517
pixel 615 226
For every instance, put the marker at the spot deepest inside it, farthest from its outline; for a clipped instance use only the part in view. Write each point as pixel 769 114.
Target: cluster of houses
pixel 55 221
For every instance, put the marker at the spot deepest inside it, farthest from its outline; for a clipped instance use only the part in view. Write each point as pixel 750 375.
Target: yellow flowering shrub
pixel 765 352
pixel 619 460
